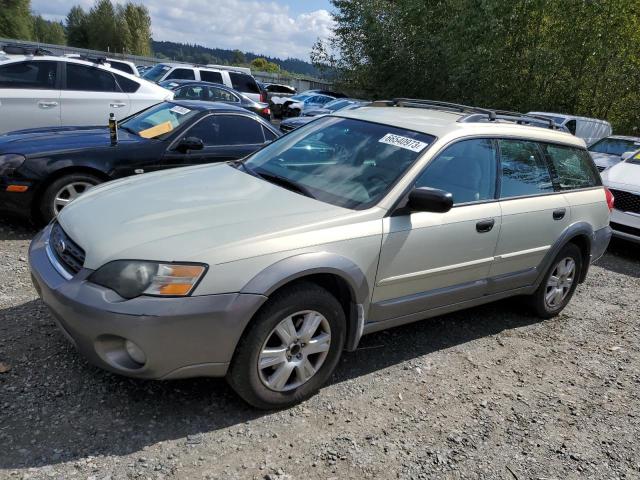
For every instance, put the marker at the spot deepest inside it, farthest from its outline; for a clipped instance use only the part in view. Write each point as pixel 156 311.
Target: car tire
pixel 559 283
pixel 61 191
pixel 263 341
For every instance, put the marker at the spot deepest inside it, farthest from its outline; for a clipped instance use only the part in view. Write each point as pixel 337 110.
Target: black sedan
pixel 42 170
pixel 214 92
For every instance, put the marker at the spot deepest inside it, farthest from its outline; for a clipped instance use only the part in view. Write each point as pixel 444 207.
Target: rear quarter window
pixel 573 167
pixel 127 85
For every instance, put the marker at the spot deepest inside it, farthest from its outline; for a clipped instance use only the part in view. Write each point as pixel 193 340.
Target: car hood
pixel 625 175
pixel 604 159
pixel 38 141
pixel 211 213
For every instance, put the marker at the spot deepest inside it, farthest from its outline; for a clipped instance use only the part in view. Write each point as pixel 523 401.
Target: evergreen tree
pixel 76 22
pixel 15 19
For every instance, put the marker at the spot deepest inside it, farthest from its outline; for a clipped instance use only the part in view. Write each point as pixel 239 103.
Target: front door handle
pixel 484 226
pixel 559 213
pixel 117 105
pixel 47 104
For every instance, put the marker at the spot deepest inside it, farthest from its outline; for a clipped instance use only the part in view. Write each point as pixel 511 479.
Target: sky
pixel 282 28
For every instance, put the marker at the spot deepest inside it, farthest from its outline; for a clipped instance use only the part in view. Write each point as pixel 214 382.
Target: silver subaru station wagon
pixel 264 270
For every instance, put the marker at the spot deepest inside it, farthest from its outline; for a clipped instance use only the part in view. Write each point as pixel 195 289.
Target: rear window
pixel 573 167
pixel 29 75
pixel 209 76
pixel 244 83
pixel 123 67
pixel 127 85
pixel 156 73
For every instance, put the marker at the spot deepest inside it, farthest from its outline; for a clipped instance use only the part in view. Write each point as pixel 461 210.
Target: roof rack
pixel 24 49
pixel 473 114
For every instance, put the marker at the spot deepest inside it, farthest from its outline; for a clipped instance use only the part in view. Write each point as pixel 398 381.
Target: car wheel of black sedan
pixel 64 190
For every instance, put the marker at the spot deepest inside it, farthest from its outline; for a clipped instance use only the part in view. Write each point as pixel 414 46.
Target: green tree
pixel 77 29
pixel 138 22
pixel 101 26
pixel 15 19
pixel 263 65
pixel 238 58
pixel 48 32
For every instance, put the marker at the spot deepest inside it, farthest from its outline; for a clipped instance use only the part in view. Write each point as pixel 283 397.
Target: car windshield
pixel 346 162
pixel 615 146
pixel 156 73
pixel 335 105
pixel 158 121
pixel 635 159
pixel 301 96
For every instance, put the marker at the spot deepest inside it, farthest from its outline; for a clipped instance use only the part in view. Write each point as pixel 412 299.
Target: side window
pixel 228 130
pixel 209 76
pixel 123 67
pixel 573 167
pixel 220 95
pixel 323 100
pixel 524 171
pixel 243 83
pixel 190 93
pixel 29 75
pixel 269 136
pixel 571 126
pixel 181 74
pixel 466 169
pixel 89 79
pixel 127 85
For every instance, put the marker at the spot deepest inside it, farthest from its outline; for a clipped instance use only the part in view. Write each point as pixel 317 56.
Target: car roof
pixel 57 58
pixel 622 137
pixel 442 123
pixel 209 106
pixel 569 117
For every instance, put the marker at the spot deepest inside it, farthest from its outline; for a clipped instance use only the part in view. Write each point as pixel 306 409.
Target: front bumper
pixel 626 225
pixel 180 337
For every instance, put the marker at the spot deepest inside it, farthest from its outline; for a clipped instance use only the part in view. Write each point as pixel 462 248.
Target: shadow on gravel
pixel 16 229
pixel 622 257
pixel 54 407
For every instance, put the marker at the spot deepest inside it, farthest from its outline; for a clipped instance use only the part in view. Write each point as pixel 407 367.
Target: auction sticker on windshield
pixel 180 110
pixel 403 142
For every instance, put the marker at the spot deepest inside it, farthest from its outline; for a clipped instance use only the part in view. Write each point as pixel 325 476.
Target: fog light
pixel 135 352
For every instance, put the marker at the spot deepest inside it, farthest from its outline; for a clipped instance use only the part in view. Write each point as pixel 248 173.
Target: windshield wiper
pixel 284 182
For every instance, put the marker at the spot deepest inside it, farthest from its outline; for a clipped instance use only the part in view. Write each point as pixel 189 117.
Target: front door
pixel 430 260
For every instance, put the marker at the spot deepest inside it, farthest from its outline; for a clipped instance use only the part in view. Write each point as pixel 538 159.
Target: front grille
pixel 618 227
pixel 66 251
pixel 600 169
pixel 626 201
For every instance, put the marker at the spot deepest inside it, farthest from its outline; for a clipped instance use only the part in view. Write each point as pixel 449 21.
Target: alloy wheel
pixel 68 193
pixel 294 350
pixel 560 282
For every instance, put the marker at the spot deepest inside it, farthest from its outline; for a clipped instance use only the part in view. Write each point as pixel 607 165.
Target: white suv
pixel 266 269
pixel 49 91
pixel 238 78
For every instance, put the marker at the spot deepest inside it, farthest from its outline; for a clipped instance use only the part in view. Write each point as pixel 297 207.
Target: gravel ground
pixel 489 393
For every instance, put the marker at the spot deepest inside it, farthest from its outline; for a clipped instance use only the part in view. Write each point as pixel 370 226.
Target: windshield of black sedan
pixel 615 146
pixel 158 121
pixel 345 162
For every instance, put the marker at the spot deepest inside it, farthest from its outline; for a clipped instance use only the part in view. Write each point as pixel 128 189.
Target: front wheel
pixel 64 190
pixel 290 349
pixel 559 283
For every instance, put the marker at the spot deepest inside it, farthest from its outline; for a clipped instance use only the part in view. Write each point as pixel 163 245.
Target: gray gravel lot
pixel 489 393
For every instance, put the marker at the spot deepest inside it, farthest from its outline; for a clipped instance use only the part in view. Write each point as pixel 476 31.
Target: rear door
pixel 533 213
pixel 225 136
pixel 29 95
pixel 90 95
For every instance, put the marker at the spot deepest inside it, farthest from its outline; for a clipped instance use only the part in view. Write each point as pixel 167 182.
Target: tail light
pixel 610 198
pixel 263 96
pixel 267 111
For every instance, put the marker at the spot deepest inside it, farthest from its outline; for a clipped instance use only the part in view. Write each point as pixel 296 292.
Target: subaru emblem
pixel 61 246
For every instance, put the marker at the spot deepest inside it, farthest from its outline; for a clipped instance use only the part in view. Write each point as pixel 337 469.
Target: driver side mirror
pixel 425 199
pixel 190 143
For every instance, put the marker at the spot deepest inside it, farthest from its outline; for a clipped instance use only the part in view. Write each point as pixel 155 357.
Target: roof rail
pixel 24 49
pixel 473 114
pixel 90 58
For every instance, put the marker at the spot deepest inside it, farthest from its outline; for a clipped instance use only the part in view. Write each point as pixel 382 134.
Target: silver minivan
pixel 589 129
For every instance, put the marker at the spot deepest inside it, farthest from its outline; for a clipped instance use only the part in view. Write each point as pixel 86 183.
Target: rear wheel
pixel 290 349
pixel 63 191
pixel 559 283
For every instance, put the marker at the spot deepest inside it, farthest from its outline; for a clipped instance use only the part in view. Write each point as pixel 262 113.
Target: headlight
pixel 130 278
pixel 9 163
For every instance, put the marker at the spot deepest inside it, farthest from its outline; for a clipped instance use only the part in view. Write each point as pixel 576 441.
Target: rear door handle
pixel 117 105
pixel 559 213
pixel 47 104
pixel 484 226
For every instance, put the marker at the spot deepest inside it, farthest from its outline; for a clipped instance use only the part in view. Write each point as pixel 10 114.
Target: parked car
pixel 609 151
pixel 214 92
pixel 266 269
pixel 279 90
pixel 589 129
pixel 233 77
pixel 50 91
pixel 42 170
pixel 623 179
pixel 299 104
pixel 116 63
pixel 337 105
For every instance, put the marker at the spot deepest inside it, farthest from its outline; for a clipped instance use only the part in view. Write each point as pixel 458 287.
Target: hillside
pixel 203 55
